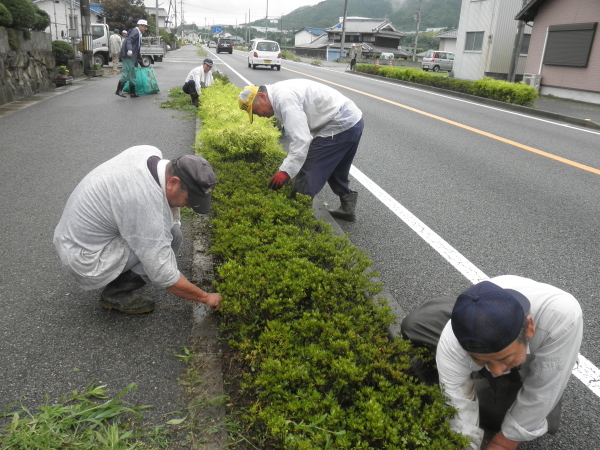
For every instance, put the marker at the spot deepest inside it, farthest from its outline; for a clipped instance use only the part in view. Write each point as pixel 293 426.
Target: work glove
pixel 277 180
pixel 129 52
pixel 202 84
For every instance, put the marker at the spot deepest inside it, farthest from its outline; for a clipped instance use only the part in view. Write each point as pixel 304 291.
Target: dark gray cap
pixel 199 178
pixel 208 62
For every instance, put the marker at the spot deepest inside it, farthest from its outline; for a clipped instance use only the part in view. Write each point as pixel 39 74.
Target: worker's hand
pixel 277 180
pixel 202 84
pixel 499 442
pixel 129 52
pixel 213 300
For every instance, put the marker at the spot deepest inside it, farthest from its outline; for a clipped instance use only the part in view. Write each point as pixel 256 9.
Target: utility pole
pixel 343 30
pixel 86 31
pixel 418 20
pixel 157 19
pixel 512 70
pixel 182 21
pixel 267 22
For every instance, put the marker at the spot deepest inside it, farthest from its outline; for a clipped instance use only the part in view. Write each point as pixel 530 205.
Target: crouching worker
pixel 198 78
pixel 505 350
pixel 120 227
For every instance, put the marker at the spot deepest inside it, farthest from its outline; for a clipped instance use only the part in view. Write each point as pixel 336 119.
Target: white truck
pixel 153 48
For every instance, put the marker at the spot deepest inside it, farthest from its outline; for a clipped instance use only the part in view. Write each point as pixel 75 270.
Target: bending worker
pixel 130 55
pixel 513 334
pixel 120 227
pixel 325 129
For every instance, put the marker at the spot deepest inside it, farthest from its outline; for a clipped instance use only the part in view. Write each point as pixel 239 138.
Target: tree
pixel 123 14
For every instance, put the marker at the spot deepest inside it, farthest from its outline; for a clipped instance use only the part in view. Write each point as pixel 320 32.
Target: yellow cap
pixel 246 99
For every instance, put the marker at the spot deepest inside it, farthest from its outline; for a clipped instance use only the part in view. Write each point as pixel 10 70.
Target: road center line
pixel 460 125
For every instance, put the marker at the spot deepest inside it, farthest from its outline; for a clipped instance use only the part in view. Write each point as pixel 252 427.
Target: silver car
pixel 264 53
pixel 437 60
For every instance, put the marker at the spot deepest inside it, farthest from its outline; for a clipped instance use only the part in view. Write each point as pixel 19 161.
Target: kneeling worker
pixel 120 227
pixel 514 335
pixel 198 78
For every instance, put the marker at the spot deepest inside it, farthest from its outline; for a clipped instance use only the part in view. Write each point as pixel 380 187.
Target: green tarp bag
pixel 145 82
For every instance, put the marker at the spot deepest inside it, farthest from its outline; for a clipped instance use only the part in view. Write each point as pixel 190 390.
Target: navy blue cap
pixel 487 318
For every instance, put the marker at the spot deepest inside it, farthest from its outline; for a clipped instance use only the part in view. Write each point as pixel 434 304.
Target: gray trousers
pixel 134 264
pixel 496 395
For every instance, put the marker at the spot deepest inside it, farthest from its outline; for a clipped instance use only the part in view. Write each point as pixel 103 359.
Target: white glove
pixel 129 53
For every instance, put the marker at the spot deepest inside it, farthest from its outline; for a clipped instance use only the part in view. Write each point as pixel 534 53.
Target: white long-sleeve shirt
pixel 551 356
pixel 118 208
pixel 200 76
pixel 308 109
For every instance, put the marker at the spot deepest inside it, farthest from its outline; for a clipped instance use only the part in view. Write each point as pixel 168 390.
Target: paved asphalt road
pixel 467 171
pixel 54 337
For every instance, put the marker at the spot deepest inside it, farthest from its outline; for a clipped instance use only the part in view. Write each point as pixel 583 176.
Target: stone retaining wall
pixel 27 71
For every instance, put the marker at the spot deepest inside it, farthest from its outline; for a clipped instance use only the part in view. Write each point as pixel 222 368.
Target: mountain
pixel 434 13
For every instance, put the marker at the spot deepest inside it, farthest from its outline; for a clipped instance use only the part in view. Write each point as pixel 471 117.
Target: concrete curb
pixel 495 103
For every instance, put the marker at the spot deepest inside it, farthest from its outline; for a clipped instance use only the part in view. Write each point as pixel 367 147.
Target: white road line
pixel 585 371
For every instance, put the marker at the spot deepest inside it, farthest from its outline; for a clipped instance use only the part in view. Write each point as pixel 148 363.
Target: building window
pixel 524 50
pixel 474 41
pixel 570 45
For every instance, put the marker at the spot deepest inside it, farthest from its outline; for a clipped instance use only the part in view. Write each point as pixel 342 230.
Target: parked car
pixel 212 44
pixel 264 53
pixel 225 45
pixel 437 60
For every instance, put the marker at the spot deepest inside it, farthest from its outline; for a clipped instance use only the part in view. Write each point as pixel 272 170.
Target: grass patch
pixel 87 420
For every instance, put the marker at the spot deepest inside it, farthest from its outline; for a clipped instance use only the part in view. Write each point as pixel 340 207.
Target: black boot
pixel 194 99
pixel 118 295
pixel 132 93
pixel 120 89
pixel 346 210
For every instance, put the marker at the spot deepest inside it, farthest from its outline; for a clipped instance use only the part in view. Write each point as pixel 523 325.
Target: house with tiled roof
pixel 447 40
pixel 307 35
pixel 373 36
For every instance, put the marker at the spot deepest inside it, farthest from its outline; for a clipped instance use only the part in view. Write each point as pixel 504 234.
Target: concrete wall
pixel 27 71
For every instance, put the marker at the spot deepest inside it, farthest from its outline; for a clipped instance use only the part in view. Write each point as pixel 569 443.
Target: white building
pixel 486 38
pixel 307 35
pixel 65 17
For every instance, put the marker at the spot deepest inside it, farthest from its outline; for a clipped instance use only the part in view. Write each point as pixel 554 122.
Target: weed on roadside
pixel 86 420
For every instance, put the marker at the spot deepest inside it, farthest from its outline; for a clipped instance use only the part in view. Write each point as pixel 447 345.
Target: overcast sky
pixel 227 12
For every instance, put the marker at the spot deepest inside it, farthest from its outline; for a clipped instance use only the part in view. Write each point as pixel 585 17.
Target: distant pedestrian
pixel 114 46
pixel 123 36
pixel 198 78
pixel 130 55
pixel 353 53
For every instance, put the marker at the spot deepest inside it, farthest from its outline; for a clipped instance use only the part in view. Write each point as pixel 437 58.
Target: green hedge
pixel 62 52
pixel 516 93
pixel 23 13
pixel 319 369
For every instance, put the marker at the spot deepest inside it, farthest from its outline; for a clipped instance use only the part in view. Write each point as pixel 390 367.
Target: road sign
pixel 217 29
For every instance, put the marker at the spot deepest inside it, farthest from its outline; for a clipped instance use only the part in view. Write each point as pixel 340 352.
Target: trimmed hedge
pixel 6 19
pixel 300 310
pixel 516 93
pixel 22 12
pixel 62 52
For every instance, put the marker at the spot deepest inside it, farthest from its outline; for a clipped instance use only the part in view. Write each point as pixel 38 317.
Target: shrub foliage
pixel 301 310
pixel 5 16
pixel 62 52
pixel 22 12
pixel 516 93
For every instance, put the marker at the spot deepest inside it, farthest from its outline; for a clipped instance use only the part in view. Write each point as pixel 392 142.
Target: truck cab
pixel 152 49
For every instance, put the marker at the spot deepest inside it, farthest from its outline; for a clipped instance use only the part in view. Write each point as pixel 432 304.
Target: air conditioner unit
pixel 531 79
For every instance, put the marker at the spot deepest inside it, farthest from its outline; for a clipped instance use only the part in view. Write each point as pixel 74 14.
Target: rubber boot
pixel 194 99
pixel 120 89
pixel 346 210
pixel 132 93
pixel 118 295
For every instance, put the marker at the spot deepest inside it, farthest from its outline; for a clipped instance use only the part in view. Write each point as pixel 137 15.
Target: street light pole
pixel 418 20
pixel 343 38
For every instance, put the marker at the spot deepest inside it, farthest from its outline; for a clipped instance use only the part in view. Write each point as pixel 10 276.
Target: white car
pixel 264 53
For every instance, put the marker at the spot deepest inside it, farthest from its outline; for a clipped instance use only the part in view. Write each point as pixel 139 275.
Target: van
pixel 264 53
pixel 437 60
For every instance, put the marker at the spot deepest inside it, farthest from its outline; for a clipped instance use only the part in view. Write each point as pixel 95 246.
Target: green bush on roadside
pixel 516 93
pixel 301 311
pixel 62 52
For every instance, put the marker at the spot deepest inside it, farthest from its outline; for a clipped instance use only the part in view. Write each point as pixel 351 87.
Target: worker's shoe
pixel 120 87
pixel 194 99
pixel 118 295
pixel 347 208
pixel 132 93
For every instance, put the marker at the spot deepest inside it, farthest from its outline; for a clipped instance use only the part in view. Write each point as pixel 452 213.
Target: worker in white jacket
pixel 325 129
pixel 198 78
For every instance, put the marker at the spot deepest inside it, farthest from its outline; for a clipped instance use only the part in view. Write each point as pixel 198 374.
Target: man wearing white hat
pixel 130 55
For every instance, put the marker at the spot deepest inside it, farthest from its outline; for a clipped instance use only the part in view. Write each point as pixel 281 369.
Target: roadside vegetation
pixel 310 364
pixel 504 91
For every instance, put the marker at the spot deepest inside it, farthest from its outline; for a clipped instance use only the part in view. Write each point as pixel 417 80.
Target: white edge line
pixel 584 370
